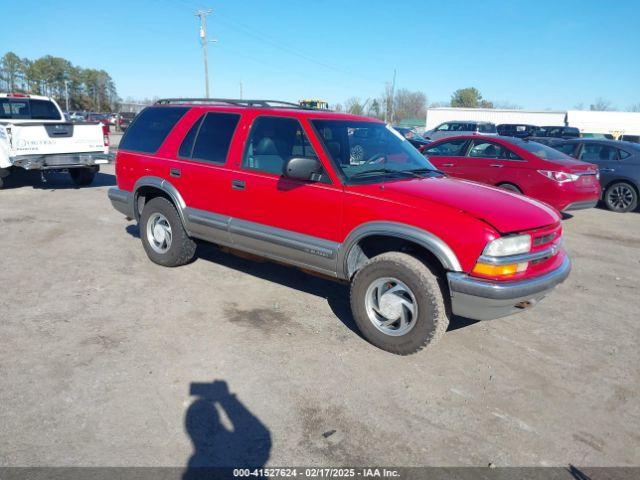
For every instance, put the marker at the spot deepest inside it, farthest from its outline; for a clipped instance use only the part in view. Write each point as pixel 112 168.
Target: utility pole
pixel 66 93
pixel 240 89
pixel 202 14
pixel 393 95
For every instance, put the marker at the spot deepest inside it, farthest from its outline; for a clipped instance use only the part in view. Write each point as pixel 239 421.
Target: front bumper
pixel 60 161
pixel 486 300
pixel 122 201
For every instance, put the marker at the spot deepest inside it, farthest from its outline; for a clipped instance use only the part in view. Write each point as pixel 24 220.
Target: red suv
pixel 344 196
pixel 521 166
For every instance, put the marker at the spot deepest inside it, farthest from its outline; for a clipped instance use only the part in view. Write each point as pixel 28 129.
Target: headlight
pixel 503 246
pixel 560 177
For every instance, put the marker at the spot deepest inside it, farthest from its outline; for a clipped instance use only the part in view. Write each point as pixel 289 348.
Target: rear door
pixel 605 156
pixel 446 155
pixel 489 162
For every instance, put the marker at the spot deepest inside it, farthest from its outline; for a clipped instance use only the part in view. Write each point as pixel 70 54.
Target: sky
pixel 535 54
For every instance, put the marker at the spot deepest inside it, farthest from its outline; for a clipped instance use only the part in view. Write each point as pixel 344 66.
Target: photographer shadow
pixel 218 450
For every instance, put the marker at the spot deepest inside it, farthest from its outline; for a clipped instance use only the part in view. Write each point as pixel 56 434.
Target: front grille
pixel 542 239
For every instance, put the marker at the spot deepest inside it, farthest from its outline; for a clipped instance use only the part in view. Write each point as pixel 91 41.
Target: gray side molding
pixel 442 251
pixel 161 184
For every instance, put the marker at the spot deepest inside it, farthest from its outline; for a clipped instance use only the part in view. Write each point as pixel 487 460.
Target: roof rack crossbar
pixel 232 101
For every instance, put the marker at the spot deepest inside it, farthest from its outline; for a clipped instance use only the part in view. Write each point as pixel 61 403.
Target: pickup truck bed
pixel 50 143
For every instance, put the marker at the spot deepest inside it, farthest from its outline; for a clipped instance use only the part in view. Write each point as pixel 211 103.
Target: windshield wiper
pixel 425 170
pixel 376 171
pixel 416 173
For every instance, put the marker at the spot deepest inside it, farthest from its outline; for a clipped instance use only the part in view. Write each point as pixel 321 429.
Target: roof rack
pixel 233 101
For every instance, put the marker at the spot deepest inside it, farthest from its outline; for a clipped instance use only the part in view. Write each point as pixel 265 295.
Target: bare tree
pixel 409 104
pixel 635 107
pixel 600 105
pixel 354 106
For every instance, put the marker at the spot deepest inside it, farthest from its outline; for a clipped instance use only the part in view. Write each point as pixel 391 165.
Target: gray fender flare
pixel 346 262
pixel 166 187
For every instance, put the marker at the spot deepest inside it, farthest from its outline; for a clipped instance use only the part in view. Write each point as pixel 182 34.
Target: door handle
pixel 237 184
pixel 447 164
pixel 496 165
pixel 174 172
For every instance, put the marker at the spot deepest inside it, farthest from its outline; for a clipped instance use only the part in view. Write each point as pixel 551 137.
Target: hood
pixel 505 211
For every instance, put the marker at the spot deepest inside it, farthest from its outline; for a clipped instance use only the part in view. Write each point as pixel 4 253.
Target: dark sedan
pixel 414 139
pixel 619 164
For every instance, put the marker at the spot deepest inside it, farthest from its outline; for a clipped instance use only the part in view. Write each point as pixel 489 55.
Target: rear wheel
pixel 163 236
pixel 510 187
pixel 83 176
pixel 621 197
pixel 397 303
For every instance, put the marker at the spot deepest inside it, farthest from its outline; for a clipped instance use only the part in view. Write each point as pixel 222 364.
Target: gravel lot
pixel 101 350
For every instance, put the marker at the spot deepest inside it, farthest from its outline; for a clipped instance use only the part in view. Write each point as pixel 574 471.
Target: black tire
pixel 182 248
pixel 621 197
pixel 431 320
pixel 510 187
pixel 83 176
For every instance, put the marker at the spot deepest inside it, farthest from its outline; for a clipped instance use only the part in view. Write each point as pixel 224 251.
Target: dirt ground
pixel 109 359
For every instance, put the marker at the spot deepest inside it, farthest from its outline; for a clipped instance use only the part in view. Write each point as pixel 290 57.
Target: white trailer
pixel 436 116
pixel 613 123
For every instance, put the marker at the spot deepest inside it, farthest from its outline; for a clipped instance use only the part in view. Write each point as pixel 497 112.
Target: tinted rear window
pixel 28 109
pixel 150 128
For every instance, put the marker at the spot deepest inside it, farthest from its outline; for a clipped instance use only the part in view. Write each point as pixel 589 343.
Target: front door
pixel 446 156
pixel 285 219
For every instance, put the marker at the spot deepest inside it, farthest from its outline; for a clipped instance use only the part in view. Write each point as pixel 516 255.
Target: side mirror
pixel 302 168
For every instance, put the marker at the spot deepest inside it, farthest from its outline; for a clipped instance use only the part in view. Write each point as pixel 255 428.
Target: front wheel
pixel 163 236
pixel 83 176
pixel 398 304
pixel 621 197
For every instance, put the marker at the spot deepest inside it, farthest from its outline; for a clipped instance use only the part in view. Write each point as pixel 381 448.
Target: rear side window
pixel 150 128
pixel 593 152
pixel 214 137
pixel 452 148
pixel 483 149
pixel 487 128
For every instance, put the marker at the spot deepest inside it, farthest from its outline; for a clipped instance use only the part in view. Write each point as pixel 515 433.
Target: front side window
pixel 273 141
pixel 370 151
pixel 567 148
pixel 150 128
pixel 453 148
pixel 210 137
pixel 443 128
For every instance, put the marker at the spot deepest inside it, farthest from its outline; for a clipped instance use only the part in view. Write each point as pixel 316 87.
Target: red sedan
pixel 521 166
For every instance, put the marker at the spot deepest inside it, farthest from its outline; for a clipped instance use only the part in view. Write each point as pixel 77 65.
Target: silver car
pixel 460 127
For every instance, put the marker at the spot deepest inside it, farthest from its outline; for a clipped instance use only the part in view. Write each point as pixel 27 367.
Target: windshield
pixel 368 151
pixel 27 109
pixel 542 151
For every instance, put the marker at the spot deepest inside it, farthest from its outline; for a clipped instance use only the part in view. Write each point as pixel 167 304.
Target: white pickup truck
pixel 34 135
